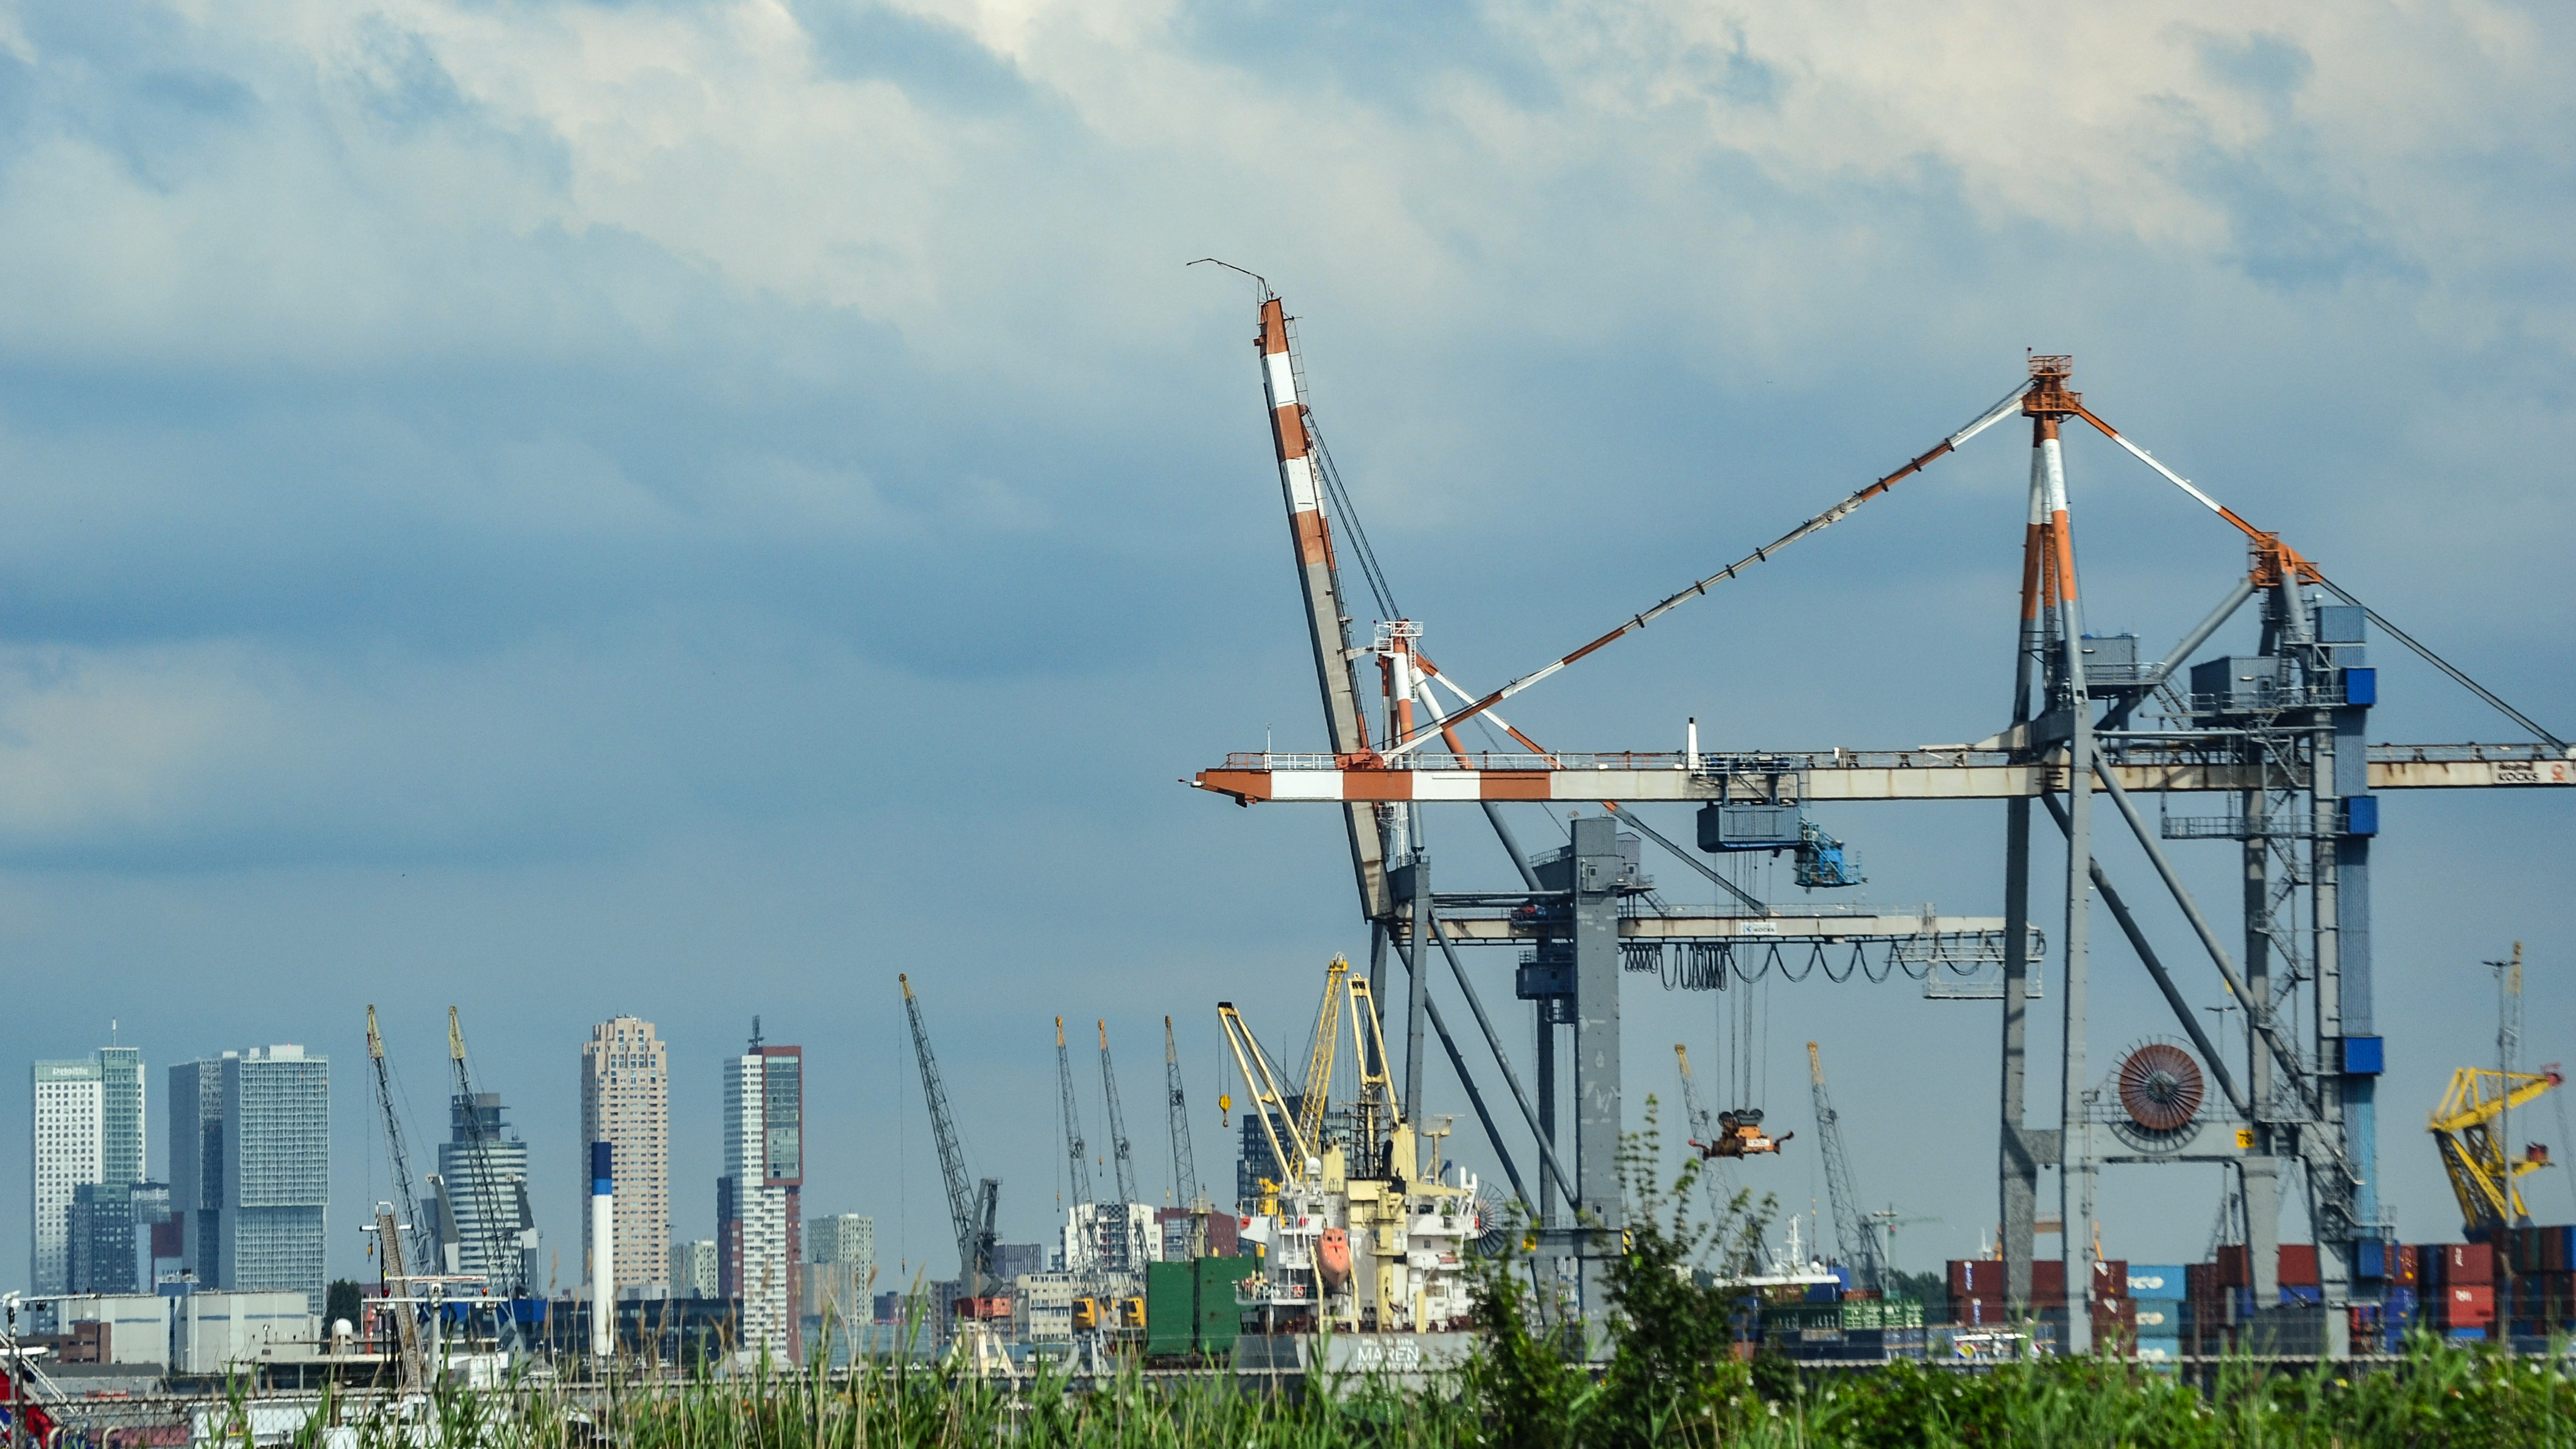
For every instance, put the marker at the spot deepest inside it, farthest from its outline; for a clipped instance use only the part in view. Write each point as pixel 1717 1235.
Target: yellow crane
pixel 1319 1066
pixel 2464 1128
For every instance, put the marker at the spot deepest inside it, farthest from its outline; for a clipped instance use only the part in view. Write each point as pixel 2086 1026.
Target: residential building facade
pixel 87 1132
pixel 693 1269
pixel 250 1158
pixel 626 1103
pixel 757 1248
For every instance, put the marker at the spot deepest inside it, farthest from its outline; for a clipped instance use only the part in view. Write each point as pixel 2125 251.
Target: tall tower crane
pixel 1119 1156
pixel 409 1204
pixel 1859 1239
pixel 1077 1157
pixel 502 1262
pixel 970 1211
pixel 1185 1168
pixel 1130 1252
pixel 389 1224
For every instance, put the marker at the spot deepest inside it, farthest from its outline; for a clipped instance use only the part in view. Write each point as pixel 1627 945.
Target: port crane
pixel 2466 1130
pixel 2277 734
pixel 1857 1235
pixel 1185 1168
pixel 1077 1156
pixel 971 1211
pixel 504 1264
pixel 400 1244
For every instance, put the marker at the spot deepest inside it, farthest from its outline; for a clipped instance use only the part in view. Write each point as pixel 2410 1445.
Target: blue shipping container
pixel 2156 1282
pixel 2290 1294
pixel 2158 1350
pixel 2158 1317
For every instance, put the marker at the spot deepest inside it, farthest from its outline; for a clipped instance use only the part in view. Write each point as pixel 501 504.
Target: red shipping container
pixel 2111 1278
pixel 2115 1310
pixel 2298 1265
pixel 2200 1282
pixel 2235 1266
pixel 1980 1278
pixel 2048 1280
pixel 2468 1305
pixel 2468 1263
pixel 2402 1269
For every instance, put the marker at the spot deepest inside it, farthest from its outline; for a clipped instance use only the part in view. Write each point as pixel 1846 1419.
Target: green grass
pixel 1671 1379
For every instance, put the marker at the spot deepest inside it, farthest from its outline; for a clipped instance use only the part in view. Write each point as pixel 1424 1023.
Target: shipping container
pixel 2158 1281
pixel 2406 1268
pixel 2200 1283
pixel 2235 1269
pixel 2467 1304
pixel 2302 1293
pixel 2158 1350
pixel 2468 1263
pixel 2298 1265
pixel 2156 1316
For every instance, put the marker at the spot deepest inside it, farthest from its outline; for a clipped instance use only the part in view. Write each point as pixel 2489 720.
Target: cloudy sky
pixel 692 509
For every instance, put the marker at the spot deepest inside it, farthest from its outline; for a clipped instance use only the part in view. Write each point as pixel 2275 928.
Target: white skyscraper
pixel 756 1198
pixel 87 1129
pixel 626 1103
pixel 70 1113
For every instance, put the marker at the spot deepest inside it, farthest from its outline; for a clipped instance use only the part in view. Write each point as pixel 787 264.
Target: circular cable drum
pixel 2161 1087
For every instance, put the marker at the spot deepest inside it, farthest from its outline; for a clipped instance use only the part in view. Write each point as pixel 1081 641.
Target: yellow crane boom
pixel 2463 1127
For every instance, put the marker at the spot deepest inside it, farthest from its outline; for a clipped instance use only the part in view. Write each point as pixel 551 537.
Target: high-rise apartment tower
pixel 87 1132
pixel 626 1103
pixel 756 1198
pixel 250 1169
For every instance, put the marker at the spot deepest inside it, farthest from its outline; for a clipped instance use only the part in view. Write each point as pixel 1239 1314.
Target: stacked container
pixel 2542 1289
pixel 2460 1288
pixel 2157 1294
pixel 1977 1288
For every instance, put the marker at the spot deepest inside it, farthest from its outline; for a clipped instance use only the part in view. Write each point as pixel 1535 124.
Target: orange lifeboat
pixel 1333 1256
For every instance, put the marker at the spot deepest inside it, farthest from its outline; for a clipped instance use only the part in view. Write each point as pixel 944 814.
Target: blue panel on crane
pixel 2364 1056
pixel 2339 623
pixel 2361 815
pixel 2361 686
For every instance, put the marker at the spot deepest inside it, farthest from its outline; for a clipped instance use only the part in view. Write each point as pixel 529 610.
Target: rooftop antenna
pixel 755 1035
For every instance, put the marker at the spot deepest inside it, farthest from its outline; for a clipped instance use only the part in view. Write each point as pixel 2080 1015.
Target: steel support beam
pixel 1502 1063
pixel 1597 1119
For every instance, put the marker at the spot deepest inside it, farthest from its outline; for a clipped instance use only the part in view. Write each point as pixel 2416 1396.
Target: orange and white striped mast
pixel 1319 582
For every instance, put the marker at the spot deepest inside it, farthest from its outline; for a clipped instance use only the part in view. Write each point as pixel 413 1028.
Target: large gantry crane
pixel 2279 734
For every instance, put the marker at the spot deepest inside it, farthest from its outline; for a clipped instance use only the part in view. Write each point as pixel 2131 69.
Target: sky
pixel 692 509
